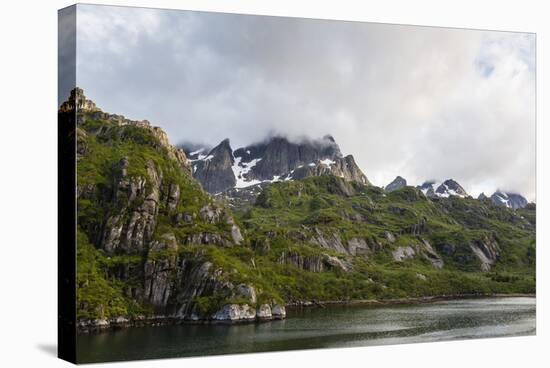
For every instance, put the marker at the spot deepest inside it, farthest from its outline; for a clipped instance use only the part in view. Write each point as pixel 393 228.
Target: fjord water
pixel 310 328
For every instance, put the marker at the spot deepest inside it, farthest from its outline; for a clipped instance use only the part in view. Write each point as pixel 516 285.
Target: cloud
pixel 420 102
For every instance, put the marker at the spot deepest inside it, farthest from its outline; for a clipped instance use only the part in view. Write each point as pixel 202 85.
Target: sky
pixel 424 103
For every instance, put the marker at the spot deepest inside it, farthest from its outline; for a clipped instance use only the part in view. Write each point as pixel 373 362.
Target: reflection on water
pixel 335 326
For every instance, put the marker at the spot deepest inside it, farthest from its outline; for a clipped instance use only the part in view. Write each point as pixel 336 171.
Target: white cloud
pixel 418 102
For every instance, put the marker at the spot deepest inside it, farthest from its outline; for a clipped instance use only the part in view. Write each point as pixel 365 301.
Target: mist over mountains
pixel 222 169
pixel 422 103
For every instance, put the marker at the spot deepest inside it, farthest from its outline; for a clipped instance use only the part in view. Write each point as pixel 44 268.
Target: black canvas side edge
pixel 66 189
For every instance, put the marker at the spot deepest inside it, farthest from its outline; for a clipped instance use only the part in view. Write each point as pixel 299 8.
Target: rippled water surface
pixel 335 326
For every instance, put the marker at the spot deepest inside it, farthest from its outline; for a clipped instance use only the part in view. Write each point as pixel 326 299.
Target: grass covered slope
pixel 386 245
pixel 142 221
pixel 152 242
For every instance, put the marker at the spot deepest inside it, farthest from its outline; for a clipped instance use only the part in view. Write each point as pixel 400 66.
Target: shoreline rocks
pixel 229 313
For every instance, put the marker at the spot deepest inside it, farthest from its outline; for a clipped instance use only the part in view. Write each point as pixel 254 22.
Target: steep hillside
pixel 355 241
pixel 150 240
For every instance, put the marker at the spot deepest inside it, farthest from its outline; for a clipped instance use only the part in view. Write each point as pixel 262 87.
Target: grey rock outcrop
pixel 359 247
pixel 128 229
pixel 329 241
pixel 235 232
pixel 484 252
pixel 421 249
pixel 335 262
pixel 278 311
pixel 487 251
pixel 263 312
pixel 401 254
pixel 396 184
pixel 211 214
pixel 309 263
pixel 314 263
pixel 431 255
pixel 390 237
pixel 247 313
pixel 158 286
pixel 235 312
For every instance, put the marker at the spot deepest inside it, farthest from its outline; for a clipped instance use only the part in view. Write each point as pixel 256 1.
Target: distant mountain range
pixel 451 188
pixel 503 199
pixel 245 171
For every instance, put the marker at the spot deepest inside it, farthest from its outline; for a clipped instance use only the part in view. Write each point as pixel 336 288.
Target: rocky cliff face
pixel 276 159
pixel 278 156
pixel 130 225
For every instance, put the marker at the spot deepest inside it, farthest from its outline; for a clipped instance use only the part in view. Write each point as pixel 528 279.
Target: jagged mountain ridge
pixel 276 159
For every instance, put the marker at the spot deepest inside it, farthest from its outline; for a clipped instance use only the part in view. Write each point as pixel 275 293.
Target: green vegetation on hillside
pixel 319 238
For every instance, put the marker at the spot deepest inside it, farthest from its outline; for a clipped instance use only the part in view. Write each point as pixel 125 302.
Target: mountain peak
pixel 225 144
pixel 510 200
pixel 396 184
pixel 214 170
pixel 451 188
pixel 274 159
pixel 448 188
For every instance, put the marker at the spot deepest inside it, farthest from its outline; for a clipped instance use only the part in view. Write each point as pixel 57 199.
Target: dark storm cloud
pixel 412 101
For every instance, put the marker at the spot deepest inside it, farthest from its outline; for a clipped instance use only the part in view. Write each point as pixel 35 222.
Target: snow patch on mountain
pixel 200 150
pixel 240 169
pixel 327 162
